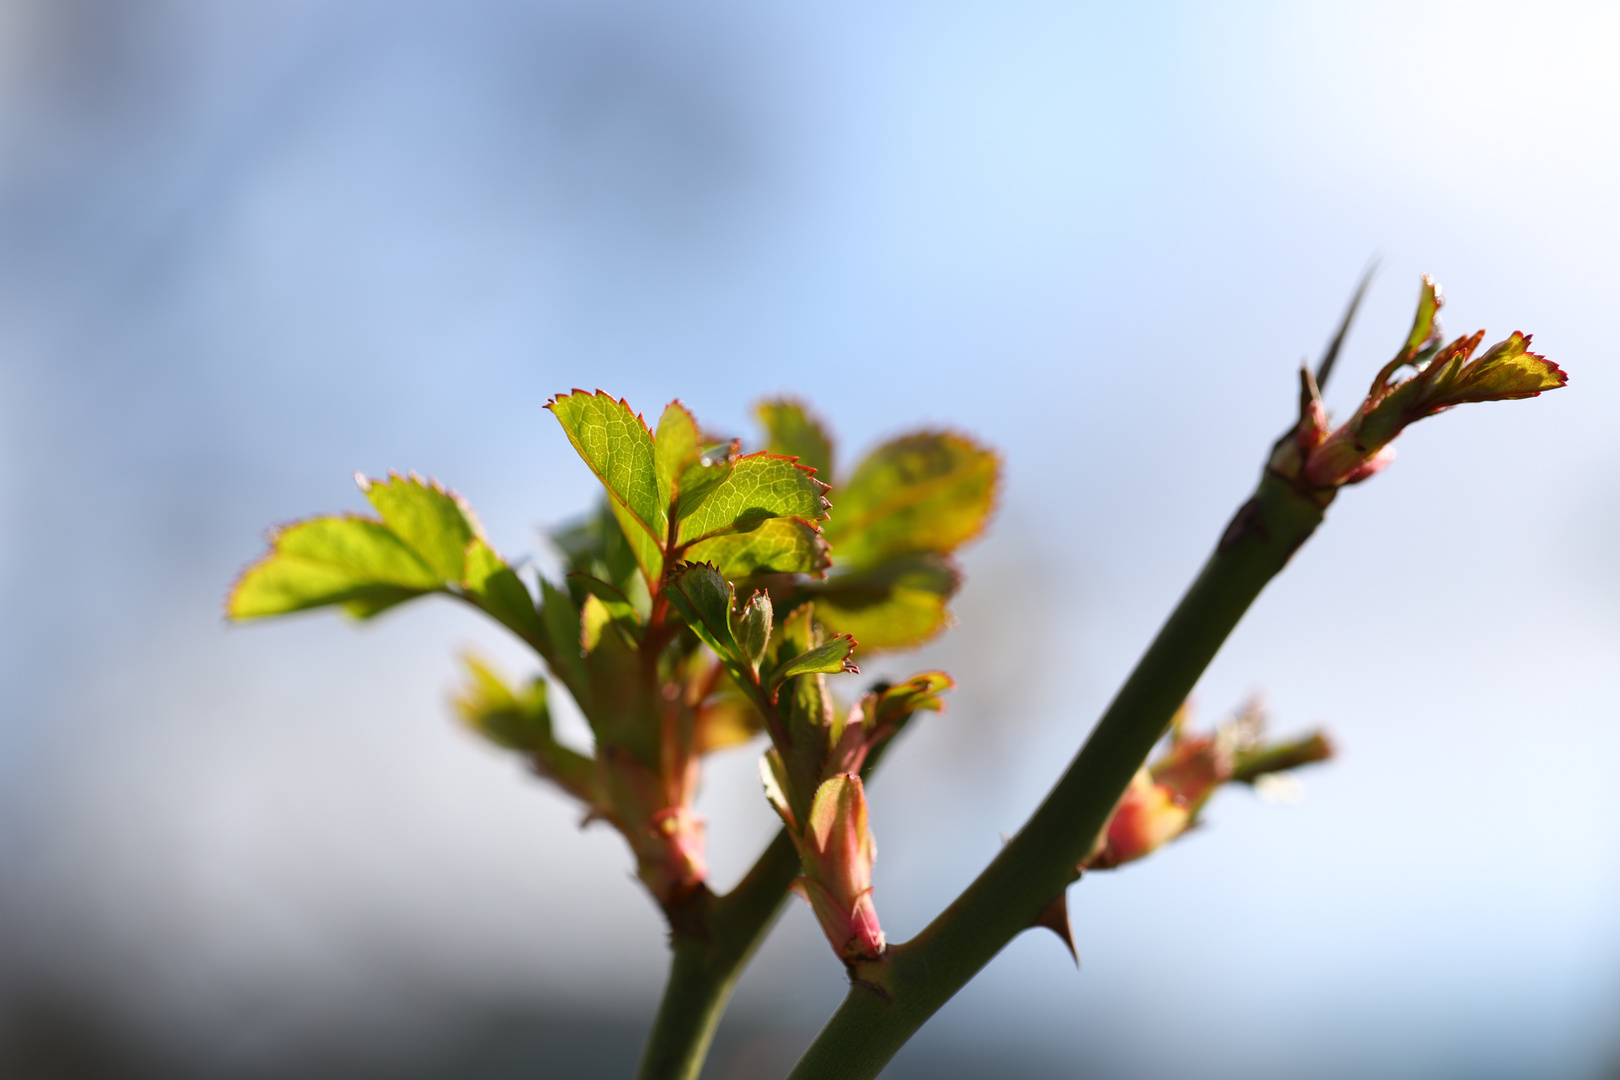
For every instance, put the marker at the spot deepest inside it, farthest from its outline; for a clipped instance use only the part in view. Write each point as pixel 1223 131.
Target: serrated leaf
pixel 617 604
pixel 676 446
pixel 830 657
pixel 433 522
pixel 703 597
pixel 521 721
pixel 752 628
pixel 326 561
pixel 560 616
pixel 615 442
pixel 515 720
pixel 496 588
pixel 926 492
pixel 896 604
pixel 920 693
pixel 793 432
pixel 772 546
pixel 758 487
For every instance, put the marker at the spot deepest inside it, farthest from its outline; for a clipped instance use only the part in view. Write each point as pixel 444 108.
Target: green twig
pixel 891 998
pixel 711 940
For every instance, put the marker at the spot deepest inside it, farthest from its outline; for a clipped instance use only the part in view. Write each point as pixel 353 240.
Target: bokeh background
pixel 249 247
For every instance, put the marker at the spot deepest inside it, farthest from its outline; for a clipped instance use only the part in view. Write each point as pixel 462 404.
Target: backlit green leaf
pixel 435 523
pixel 676 446
pixel 496 588
pixel 349 561
pixel 828 658
pixel 775 546
pixel 926 492
pixel 615 443
pixel 794 432
pixel 520 720
pixel 894 605
pixel 758 487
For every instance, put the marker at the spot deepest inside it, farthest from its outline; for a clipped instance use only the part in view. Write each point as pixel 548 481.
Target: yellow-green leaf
pixel 349 561
pixel 770 546
pixel 496 588
pixel 435 523
pixel 927 492
pixel 894 605
pixel 758 487
pixel 794 432
pixel 614 441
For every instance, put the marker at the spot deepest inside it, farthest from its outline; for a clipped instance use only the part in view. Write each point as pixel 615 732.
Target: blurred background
pixel 247 248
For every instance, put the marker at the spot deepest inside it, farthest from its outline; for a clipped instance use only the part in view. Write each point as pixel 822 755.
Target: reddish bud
pixel 1147 817
pixel 1440 379
pixel 837 852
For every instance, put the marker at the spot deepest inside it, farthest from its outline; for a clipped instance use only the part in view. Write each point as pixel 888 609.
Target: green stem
pixel 711 941
pixel 891 998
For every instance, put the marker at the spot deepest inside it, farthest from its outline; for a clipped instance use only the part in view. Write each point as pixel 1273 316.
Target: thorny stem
pixel 890 998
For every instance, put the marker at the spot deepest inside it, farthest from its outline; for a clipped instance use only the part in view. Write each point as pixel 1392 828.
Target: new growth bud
pixel 1165 799
pixel 837 852
pixel 1321 460
pixel 812 779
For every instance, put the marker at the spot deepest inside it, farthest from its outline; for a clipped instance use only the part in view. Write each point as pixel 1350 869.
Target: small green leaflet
pixel 433 522
pixel 428 541
pixel 894 605
pixel 771 546
pixel 827 658
pixel 927 492
pixel 520 720
pixel 794 432
pixel 759 487
pixel 704 598
pixel 615 443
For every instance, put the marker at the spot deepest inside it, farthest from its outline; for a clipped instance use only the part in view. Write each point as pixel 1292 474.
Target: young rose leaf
pixel 621 713
pixel 676 446
pixel 752 629
pixel 757 488
pixel 560 617
pixel 771 546
pixel 597 621
pixel 793 432
pixel 614 441
pixel 617 604
pixel 827 658
pixel 927 492
pixel 896 704
pixel 703 598
pixel 521 721
pixel 896 604
pixel 515 720
pixel 496 588
pixel 435 523
pixel 352 562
